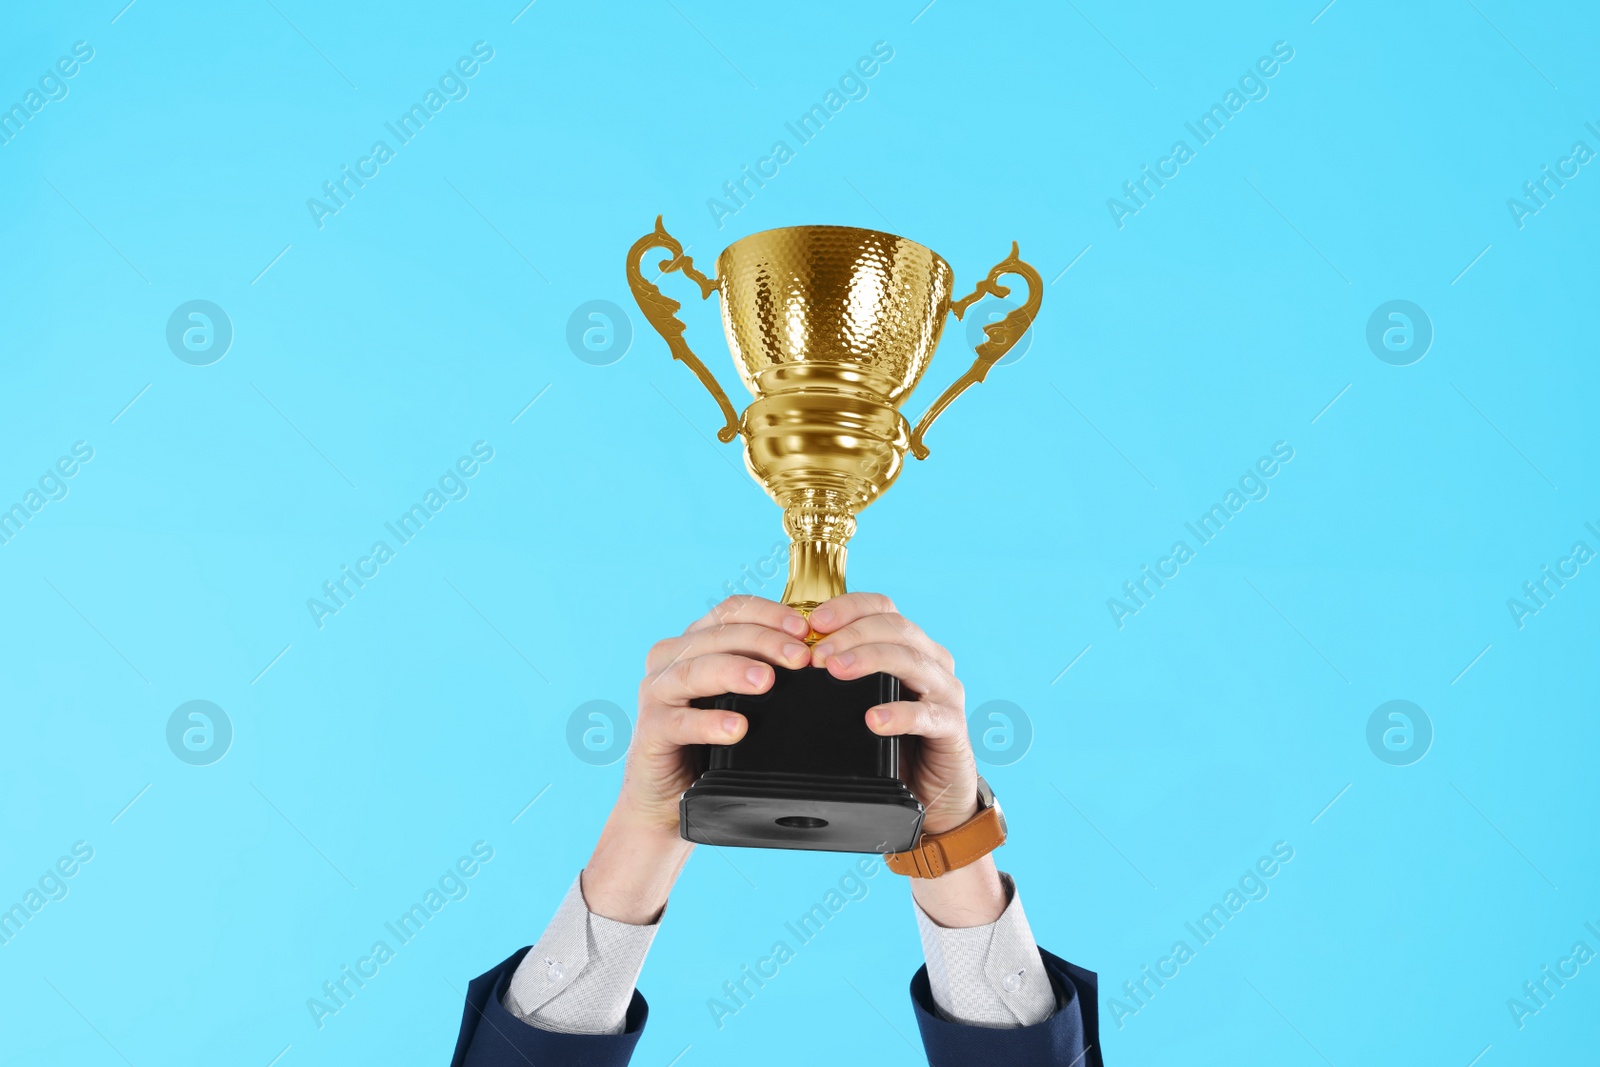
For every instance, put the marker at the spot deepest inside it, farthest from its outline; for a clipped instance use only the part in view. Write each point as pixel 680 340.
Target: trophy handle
pixel 1002 336
pixel 661 309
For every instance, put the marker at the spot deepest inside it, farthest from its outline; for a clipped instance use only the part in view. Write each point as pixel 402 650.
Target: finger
pixel 754 609
pixel 706 676
pixel 916 670
pixel 676 727
pixel 921 718
pixel 748 638
pixel 847 608
pixel 889 628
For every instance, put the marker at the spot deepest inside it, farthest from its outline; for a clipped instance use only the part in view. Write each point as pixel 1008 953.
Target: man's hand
pixel 863 633
pixel 733 649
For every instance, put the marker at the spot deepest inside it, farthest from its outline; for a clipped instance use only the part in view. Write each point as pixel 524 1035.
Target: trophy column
pixel 817 537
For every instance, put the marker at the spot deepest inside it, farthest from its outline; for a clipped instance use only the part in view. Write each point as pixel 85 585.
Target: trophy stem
pixel 816 574
pixel 816 552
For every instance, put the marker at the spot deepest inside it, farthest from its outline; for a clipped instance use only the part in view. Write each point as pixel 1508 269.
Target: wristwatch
pixel 934 854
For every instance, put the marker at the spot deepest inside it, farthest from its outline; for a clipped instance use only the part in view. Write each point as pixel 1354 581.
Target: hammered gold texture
pixel 831 328
pixel 833 295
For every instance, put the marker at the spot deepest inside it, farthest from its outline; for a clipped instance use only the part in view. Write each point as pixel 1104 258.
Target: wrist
pixel 632 869
pixel 972 895
pixel 937 822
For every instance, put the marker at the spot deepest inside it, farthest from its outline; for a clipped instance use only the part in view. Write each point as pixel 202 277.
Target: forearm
pixel 632 870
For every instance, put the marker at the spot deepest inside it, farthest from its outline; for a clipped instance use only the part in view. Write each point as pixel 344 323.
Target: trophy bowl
pixel 831 329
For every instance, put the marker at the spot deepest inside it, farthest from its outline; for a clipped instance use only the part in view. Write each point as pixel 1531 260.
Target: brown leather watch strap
pixel 935 854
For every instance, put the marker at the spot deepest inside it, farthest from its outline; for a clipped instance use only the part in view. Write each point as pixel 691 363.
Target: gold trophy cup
pixel 831 328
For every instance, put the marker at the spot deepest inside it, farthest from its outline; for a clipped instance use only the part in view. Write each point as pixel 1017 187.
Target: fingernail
pixel 757 675
pixel 730 725
pixel 878 716
pixel 844 659
pixel 822 652
pixel 794 624
pixel 793 651
pixel 822 618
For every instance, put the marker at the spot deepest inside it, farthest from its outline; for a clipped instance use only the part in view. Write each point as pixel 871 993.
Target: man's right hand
pixel 733 649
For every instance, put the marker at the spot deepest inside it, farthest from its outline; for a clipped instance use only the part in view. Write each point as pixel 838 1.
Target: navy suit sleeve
pixel 492 1037
pixel 1068 1038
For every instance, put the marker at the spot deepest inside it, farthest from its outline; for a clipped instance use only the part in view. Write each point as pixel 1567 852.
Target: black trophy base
pixel 808 774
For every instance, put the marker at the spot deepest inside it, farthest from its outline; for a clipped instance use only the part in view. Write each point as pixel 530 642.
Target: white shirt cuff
pixel 579 977
pixel 987 975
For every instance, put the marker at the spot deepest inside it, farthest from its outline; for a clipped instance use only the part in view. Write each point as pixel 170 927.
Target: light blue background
pixel 1222 318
